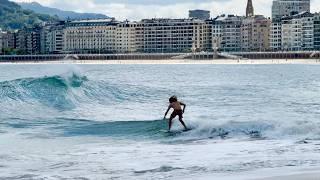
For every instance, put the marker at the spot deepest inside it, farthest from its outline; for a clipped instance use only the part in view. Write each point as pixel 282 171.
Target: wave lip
pixel 53 91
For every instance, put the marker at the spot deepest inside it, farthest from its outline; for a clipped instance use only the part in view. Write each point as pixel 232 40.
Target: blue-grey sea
pixel 105 121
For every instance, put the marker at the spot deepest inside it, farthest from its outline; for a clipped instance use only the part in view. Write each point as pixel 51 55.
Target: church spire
pixel 250 11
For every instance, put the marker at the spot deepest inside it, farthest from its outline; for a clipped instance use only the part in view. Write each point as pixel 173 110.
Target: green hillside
pixel 12 16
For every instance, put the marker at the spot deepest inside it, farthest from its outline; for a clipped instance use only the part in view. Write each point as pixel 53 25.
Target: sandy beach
pixel 174 61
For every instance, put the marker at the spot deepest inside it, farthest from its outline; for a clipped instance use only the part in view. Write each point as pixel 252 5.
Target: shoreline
pixel 301 176
pixel 286 174
pixel 277 174
pixel 269 174
pixel 175 61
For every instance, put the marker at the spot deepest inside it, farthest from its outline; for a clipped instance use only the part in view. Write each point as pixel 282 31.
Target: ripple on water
pixel 158 170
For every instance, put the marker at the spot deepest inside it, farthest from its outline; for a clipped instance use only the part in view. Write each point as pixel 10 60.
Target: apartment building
pixel 298 32
pixel 174 35
pixel 7 41
pixel 90 36
pixel 203 36
pixel 1 41
pixel 127 40
pixel 28 40
pixel 282 8
pixel 103 36
pixel 275 37
pixel 226 33
pixel 255 31
pixel 317 31
pixel 52 38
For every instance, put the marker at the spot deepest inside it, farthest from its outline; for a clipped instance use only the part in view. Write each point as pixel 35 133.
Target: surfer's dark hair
pixel 173 99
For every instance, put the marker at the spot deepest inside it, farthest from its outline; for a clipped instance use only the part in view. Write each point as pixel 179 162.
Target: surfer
pixel 177 111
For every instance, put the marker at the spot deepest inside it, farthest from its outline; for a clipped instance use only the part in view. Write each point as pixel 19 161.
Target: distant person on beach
pixel 177 111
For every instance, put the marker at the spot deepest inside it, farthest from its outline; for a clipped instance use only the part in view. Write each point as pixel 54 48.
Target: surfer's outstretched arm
pixel 184 106
pixel 169 107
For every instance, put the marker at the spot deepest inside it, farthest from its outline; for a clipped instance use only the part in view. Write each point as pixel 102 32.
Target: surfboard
pixel 164 131
pixel 175 131
pixel 186 130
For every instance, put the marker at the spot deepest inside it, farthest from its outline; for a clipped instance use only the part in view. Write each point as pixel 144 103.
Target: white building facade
pixel 275 36
pixel 52 38
pixel 174 35
pixel 298 32
pixel 55 40
pixel 90 36
pixel 127 40
pixel 226 33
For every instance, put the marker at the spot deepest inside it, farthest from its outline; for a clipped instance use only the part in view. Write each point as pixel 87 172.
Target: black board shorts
pixel 177 113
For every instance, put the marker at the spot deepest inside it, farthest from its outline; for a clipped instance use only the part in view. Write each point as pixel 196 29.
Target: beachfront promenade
pixel 163 56
pixel 59 57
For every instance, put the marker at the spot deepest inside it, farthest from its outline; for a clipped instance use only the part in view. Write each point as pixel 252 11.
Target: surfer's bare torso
pixel 176 106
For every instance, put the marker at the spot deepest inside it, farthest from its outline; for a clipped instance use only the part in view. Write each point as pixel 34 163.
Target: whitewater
pixel 105 121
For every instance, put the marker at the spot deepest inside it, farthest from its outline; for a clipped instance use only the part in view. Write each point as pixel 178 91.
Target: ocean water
pixel 105 121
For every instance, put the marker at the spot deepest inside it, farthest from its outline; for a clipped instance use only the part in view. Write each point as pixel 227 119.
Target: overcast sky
pixel 139 9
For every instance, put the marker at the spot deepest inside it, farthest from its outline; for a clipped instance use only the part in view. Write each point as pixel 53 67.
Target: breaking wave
pixel 51 91
pixel 67 92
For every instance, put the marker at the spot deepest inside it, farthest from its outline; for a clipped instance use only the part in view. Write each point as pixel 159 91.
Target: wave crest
pixel 51 91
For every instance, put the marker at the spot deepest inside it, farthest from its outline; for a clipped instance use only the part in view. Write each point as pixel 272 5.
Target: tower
pixel 249 11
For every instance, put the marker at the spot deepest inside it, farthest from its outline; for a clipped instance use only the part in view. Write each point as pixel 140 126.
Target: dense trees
pixel 12 16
